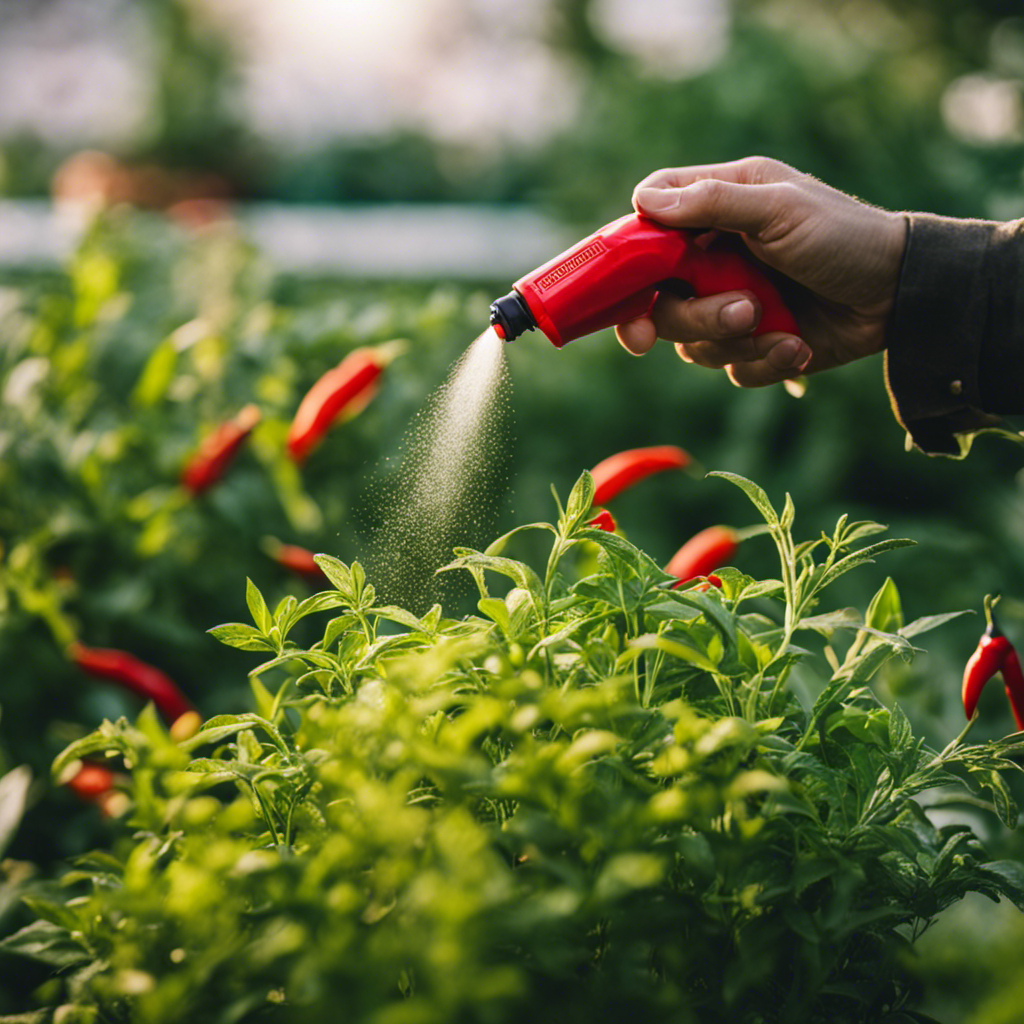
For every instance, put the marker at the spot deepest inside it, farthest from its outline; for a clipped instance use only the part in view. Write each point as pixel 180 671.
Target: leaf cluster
pixel 599 797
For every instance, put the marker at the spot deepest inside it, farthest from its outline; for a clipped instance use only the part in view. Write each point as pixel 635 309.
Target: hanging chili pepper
pixel 217 449
pixel 703 552
pixel 129 672
pixel 993 654
pixel 97 784
pixel 91 781
pixel 624 469
pixel 604 520
pixel 350 385
pixel 1013 680
pixel 296 559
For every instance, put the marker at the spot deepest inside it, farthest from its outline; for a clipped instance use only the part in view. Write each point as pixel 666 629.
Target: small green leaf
pixel 580 499
pixel 1002 798
pixel 855 558
pixel 339 574
pixel 321 602
pixel 1009 878
pixel 46 942
pixel 335 628
pixel 220 727
pixel 496 609
pixel 14 788
pixel 242 636
pixel 885 612
pixel 755 493
pixel 263 697
pixel 497 546
pixel 257 607
pixel 520 573
pixel 679 647
pixel 900 733
pixel 928 622
pixel 156 375
pixel 395 614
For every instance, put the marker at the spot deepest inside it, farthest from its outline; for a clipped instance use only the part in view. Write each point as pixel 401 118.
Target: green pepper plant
pixel 602 796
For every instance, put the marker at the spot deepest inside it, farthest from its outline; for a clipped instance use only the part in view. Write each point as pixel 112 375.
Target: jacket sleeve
pixel 954 358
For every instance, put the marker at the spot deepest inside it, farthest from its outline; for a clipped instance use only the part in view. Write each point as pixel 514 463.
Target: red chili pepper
pixel 344 387
pixel 604 520
pixel 129 672
pixel 217 449
pixel 296 559
pixel 989 657
pixel 623 469
pixel 91 781
pixel 1013 680
pixel 703 552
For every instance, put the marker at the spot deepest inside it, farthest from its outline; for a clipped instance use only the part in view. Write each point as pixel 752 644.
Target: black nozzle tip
pixel 512 315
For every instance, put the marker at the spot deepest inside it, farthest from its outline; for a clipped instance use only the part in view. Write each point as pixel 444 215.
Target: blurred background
pixel 278 183
pixel 563 103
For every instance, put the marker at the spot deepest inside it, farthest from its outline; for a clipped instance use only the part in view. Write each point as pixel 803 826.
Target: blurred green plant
pixel 599 797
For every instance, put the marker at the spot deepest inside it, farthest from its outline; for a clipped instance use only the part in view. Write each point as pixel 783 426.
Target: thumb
pixel 713 203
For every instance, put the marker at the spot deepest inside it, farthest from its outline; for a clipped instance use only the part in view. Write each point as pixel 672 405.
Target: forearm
pixel 955 343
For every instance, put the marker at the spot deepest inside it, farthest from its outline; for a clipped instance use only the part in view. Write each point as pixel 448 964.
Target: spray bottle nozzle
pixel 510 316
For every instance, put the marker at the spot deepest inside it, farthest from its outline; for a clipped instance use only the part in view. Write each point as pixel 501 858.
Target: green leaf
pixel 900 733
pixel 395 614
pixel 682 648
pixel 1002 799
pixel 242 636
pixel 885 612
pixel 713 611
pixel 1008 876
pixel 257 607
pixel 263 697
pixel 119 736
pixel 497 546
pixel 156 375
pixel 928 622
pixel 520 573
pixel 221 727
pixel 339 574
pixel 557 637
pixel 763 588
pixel 46 942
pixel 580 499
pixel 755 493
pixel 855 558
pixel 321 602
pixel 14 788
pixel 334 629
pixel 842 618
pixel 496 609
pixel 641 563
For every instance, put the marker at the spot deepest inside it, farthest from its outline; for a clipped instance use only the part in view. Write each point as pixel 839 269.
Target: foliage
pixel 111 373
pixel 599 797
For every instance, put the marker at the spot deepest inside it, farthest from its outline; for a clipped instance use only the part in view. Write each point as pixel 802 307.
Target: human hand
pixel 845 253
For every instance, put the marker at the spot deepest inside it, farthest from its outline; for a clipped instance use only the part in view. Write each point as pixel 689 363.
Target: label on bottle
pixel 571 264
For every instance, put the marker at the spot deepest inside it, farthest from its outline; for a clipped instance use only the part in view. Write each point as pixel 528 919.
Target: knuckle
pixel 764 169
pixel 784 209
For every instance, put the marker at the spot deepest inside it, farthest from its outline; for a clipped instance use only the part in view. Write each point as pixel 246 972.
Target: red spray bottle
pixel 614 275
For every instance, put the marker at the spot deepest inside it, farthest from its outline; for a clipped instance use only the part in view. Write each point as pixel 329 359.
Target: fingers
pixel 764 212
pixel 715 332
pixel 725 315
pixel 755 170
pixel 637 336
pixel 778 364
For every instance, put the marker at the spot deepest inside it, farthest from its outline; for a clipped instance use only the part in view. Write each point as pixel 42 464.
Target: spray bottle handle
pixel 709 271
